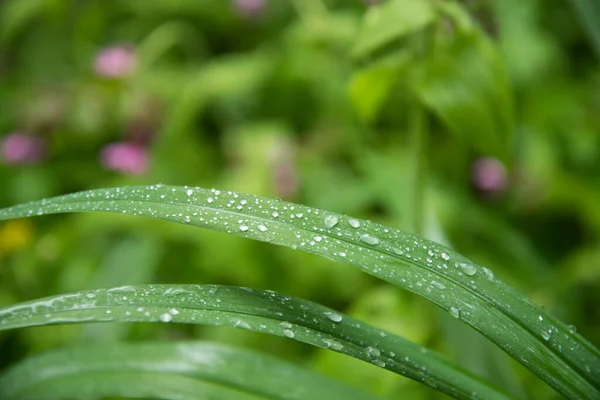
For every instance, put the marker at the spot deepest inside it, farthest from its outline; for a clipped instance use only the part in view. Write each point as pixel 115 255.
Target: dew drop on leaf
pixel 288 333
pixel 468 269
pixel 445 256
pixel 368 239
pixel 489 274
pixel 354 223
pixel 546 334
pixel 373 352
pixel 455 312
pixel 330 221
pixel 166 317
pixel 243 228
pixel 262 228
pixel 335 317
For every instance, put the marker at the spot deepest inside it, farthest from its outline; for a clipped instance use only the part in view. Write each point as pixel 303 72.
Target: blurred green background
pixel 475 123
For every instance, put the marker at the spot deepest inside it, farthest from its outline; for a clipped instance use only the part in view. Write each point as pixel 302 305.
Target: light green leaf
pixel 464 82
pixel 370 87
pixel 260 311
pixel 392 20
pixel 126 369
pixel 529 333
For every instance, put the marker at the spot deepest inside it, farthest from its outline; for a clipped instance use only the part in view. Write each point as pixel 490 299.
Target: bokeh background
pixel 475 123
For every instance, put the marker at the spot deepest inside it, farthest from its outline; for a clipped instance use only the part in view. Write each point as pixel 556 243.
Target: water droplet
pixel 243 228
pixel 468 269
pixel 335 317
pixel 342 254
pixel 572 329
pixel 166 317
pixel 239 323
pixel 438 285
pixel 173 311
pixel 368 239
pixel 489 274
pixel 373 352
pixel 318 238
pixel 285 324
pixel 189 192
pixel 455 312
pixel 546 334
pixel 379 363
pixel 330 221
pixel 333 345
pixel 209 200
pixel 262 228
pixel 354 223
pixel 540 318
pixel 289 333
pixel 445 256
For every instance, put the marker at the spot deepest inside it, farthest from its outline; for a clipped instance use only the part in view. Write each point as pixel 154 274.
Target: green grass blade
pixel 529 333
pixel 260 311
pixel 244 373
pixel 145 385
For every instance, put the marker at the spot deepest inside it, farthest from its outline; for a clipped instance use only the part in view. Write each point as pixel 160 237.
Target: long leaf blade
pixel 529 333
pixel 239 371
pixel 260 311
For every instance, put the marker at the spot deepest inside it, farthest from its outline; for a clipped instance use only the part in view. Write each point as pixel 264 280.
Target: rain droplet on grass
pixel 243 228
pixel 546 334
pixel 572 329
pixel 468 269
pixel 368 239
pixel 209 200
pixel 335 317
pixel 455 312
pixel 445 256
pixel 373 352
pixel 438 285
pixel 262 228
pixel 189 192
pixel 330 221
pixel 288 333
pixel 354 223
pixel 489 274
pixel 166 317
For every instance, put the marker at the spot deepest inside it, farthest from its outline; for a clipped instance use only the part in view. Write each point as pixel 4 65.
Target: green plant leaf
pixel 529 333
pixel 390 21
pixel 465 84
pixel 218 368
pixel 261 311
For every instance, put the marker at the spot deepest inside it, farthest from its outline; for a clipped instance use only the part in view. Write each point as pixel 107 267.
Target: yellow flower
pixel 15 235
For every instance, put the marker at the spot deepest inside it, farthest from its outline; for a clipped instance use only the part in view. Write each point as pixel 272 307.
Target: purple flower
pixel 20 148
pixel 126 157
pixel 489 176
pixel 250 8
pixel 115 61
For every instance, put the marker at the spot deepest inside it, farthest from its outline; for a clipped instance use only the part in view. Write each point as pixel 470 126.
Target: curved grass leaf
pixel 529 333
pixel 260 311
pixel 145 385
pixel 151 368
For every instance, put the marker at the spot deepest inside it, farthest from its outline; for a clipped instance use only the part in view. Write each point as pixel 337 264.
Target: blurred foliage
pixel 474 123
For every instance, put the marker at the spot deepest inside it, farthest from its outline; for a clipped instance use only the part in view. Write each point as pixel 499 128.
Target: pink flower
pixel 20 148
pixel 250 8
pixel 126 157
pixel 489 176
pixel 115 61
